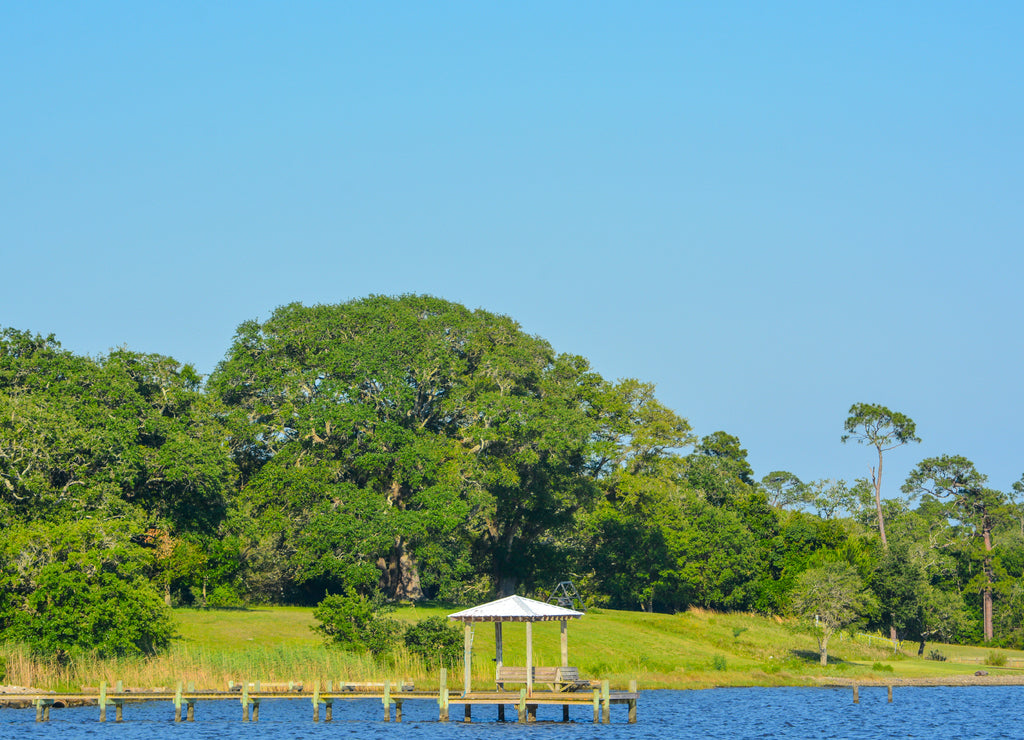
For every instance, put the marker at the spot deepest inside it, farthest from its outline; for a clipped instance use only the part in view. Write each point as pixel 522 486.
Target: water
pixel 733 714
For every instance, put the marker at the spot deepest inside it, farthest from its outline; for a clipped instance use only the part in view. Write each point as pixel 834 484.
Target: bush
pixel 435 641
pixel 936 655
pixel 82 592
pixel 995 658
pixel 224 597
pixel 881 667
pixel 355 623
pixel 718 663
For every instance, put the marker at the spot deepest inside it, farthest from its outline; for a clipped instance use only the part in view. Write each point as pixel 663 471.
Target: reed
pixel 211 668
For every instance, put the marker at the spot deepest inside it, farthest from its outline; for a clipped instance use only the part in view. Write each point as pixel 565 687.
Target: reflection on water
pixel 733 714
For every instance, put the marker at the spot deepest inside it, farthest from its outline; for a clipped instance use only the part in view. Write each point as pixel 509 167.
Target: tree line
pixel 408 448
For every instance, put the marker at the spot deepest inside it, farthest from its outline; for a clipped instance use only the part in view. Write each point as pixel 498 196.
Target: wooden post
pixel 565 642
pixel 328 710
pixel 316 701
pixel 597 706
pixel 501 712
pixel 529 658
pixel 442 696
pixel 245 701
pixel 177 703
pixel 255 710
pixel 531 712
pixel 632 702
pixel 498 657
pixel 890 693
pixel 39 709
pixel 467 657
pixel 565 712
pixel 467 715
pixel 387 700
pixel 606 702
pixel 856 694
pixel 398 710
pixel 522 705
pixel 190 711
pixel 103 701
pixel 119 710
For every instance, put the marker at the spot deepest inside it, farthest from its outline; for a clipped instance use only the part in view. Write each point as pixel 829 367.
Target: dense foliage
pixel 391 449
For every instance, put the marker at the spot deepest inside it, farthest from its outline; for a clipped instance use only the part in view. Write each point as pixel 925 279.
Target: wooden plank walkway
pixel 250 695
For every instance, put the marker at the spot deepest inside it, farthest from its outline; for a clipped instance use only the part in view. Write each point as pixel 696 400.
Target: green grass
pixel 696 649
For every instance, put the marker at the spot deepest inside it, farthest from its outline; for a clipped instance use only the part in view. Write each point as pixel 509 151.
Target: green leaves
pixel 879 427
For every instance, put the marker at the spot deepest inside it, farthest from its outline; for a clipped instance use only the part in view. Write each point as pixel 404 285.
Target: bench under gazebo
pixel 520 609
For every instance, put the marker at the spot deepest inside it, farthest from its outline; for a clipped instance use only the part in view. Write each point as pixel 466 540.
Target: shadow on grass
pixel 813 656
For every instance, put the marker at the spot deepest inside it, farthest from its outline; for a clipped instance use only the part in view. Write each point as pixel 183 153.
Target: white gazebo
pixel 513 609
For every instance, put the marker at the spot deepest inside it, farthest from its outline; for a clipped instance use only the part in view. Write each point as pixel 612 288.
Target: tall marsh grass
pixel 210 668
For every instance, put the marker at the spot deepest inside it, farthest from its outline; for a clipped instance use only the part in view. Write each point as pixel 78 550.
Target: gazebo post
pixel 529 658
pixel 467 657
pixel 498 654
pixel 565 643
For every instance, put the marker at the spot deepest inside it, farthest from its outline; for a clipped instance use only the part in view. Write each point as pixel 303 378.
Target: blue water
pixel 733 714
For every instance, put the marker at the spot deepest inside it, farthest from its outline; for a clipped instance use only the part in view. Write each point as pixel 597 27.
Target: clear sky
pixel 770 210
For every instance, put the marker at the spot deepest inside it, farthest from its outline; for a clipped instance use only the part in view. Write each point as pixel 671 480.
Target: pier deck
pixel 390 695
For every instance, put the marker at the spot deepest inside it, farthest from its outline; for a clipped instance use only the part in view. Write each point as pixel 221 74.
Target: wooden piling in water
pixel 597 705
pixel 606 702
pixel 890 693
pixel 442 696
pixel 856 694
pixel 522 706
pixel 632 702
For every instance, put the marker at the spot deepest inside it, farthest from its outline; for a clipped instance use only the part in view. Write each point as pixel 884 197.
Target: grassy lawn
pixel 694 649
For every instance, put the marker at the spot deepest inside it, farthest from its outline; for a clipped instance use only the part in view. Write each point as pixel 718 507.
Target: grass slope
pixel 696 649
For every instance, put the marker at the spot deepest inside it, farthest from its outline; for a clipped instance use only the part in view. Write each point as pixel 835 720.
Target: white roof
pixel 515 609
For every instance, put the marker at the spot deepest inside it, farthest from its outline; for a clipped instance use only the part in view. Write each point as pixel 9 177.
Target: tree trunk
pixel 986 595
pixel 507 585
pixel 400 577
pixel 877 480
pixel 823 648
pixel 167 592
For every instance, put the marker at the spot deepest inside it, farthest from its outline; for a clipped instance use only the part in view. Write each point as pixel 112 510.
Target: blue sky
pixel 770 210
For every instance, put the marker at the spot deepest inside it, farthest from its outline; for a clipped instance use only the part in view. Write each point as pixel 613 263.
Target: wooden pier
pixel 251 694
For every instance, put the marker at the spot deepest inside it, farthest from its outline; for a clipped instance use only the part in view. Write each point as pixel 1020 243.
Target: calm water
pixel 734 714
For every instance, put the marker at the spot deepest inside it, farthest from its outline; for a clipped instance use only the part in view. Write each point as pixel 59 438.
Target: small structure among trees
pixel 517 609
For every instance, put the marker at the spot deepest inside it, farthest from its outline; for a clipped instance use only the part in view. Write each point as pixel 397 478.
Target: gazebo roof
pixel 515 609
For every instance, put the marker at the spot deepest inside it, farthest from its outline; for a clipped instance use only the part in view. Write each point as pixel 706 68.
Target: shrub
pixel 995 658
pixel 224 596
pixel 434 640
pixel 881 667
pixel 737 631
pixel 355 623
pixel 936 655
pixel 718 663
